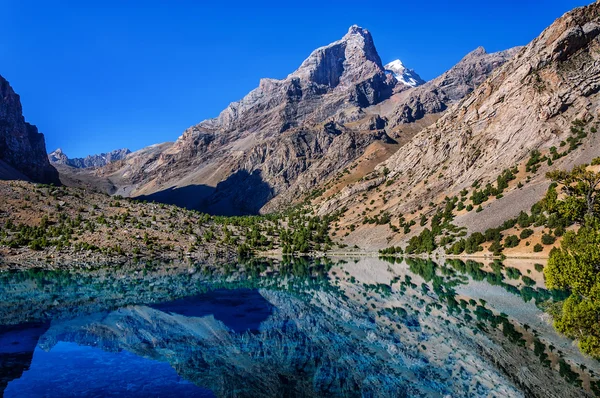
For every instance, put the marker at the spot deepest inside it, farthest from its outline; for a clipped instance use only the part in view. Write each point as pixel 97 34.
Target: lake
pixel 348 327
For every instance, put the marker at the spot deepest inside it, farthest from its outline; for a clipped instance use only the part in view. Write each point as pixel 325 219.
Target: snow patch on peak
pixel 402 74
pixel 396 64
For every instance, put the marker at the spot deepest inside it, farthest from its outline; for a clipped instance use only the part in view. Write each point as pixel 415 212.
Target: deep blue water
pixel 241 310
pixel 72 369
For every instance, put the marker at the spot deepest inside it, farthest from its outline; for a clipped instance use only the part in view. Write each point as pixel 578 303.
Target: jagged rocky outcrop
pixel 342 74
pixel 22 147
pixel 59 157
pixel 259 146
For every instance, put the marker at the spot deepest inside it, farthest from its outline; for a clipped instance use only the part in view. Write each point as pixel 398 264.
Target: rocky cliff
pixel 22 148
pixel 343 74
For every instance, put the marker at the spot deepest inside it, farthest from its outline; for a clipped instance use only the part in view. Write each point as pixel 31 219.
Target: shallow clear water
pixel 363 327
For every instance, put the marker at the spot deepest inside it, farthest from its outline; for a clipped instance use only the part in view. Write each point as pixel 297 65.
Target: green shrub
pixel 511 241
pixel 538 267
pixel 526 233
pixel 496 247
pixel 548 239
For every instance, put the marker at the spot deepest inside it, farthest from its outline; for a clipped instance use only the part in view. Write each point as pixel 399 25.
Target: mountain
pixel 22 148
pixel 344 74
pixel 403 75
pixel 59 157
pixel 528 104
pixel 286 136
pixel 438 94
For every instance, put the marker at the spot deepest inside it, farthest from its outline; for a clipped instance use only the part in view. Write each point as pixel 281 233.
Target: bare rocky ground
pixel 371 238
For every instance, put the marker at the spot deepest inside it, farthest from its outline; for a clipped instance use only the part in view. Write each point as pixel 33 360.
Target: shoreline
pixel 274 254
pixel 79 264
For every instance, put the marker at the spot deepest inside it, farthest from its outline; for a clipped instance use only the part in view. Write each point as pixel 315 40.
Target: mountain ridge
pixel 282 139
pixel 99 160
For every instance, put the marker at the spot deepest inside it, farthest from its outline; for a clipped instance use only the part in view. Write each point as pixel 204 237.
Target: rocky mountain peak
pixel 345 73
pixel 58 157
pixel 357 30
pixel 354 58
pixel 395 65
pixel 403 75
pixel 527 101
pixel 287 136
pixel 478 52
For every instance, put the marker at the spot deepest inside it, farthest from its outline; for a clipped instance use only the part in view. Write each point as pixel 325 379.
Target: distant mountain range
pixel 59 157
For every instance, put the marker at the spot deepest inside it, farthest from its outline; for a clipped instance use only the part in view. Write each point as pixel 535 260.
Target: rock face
pixel 22 148
pixel 287 136
pixel 527 104
pixel 437 95
pixel 59 157
pixel 343 74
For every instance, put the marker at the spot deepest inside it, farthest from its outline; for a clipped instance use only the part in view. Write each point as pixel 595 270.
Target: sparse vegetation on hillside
pixel 570 202
pixel 68 226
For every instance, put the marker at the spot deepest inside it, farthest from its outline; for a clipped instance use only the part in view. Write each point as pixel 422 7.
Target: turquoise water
pixel 360 328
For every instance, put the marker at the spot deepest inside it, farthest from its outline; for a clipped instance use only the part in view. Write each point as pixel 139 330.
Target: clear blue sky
pixel 99 75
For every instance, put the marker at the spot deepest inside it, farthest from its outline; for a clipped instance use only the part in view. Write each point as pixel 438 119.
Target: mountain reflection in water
pixel 334 328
